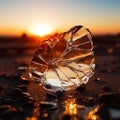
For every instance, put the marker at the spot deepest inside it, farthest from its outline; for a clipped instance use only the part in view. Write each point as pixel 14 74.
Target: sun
pixel 41 30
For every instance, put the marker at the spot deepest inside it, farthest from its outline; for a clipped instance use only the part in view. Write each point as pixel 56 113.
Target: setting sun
pixel 41 30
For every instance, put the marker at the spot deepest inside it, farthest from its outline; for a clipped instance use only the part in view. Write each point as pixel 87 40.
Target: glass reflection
pixel 92 114
pixel 71 107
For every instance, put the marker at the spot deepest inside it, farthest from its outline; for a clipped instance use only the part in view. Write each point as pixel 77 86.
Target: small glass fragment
pixel 64 61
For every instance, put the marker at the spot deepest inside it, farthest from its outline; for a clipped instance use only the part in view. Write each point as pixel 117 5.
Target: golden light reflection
pixel 45 115
pixel 92 114
pixel 31 118
pixel 71 107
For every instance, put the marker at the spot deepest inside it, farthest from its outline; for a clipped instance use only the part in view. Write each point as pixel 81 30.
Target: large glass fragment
pixel 64 61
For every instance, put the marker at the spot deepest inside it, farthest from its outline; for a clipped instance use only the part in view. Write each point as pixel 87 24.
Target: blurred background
pixel 29 16
pixel 25 23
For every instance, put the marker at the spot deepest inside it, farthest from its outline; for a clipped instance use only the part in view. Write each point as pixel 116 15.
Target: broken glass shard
pixel 64 61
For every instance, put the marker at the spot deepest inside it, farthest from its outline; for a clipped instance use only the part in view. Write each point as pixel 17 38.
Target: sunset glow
pixel 41 30
pixel 101 17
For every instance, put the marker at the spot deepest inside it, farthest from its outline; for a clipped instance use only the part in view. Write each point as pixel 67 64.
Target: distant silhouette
pixel 24 35
pixel 118 34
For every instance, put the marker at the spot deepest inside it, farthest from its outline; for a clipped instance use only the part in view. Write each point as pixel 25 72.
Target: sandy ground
pixel 106 80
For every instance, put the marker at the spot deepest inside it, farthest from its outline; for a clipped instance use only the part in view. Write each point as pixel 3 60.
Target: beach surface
pixel 22 99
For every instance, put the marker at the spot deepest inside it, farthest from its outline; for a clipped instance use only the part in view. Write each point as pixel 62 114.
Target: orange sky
pixel 100 16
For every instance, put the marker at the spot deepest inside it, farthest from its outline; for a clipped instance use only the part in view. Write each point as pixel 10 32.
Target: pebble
pixel 45 105
pixel 24 88
pixel 29 103
pixel 66 117
pixel 79 100
pixel 8 114
pixel 26 94
pixel 20 110
pixel 24 64
pixel 110 98
pixel 13 77
pixel 24 81
pixel 91 101
pixel 4 107
pixel 26 99
pixel 59 94
pixel 81 88
pixel 51 96
pixel 7 100
pixel 106 88
pixel 15 92
pixel 20 115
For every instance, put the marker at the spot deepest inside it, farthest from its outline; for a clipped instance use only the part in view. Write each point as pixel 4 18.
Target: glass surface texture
pixel 64 61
